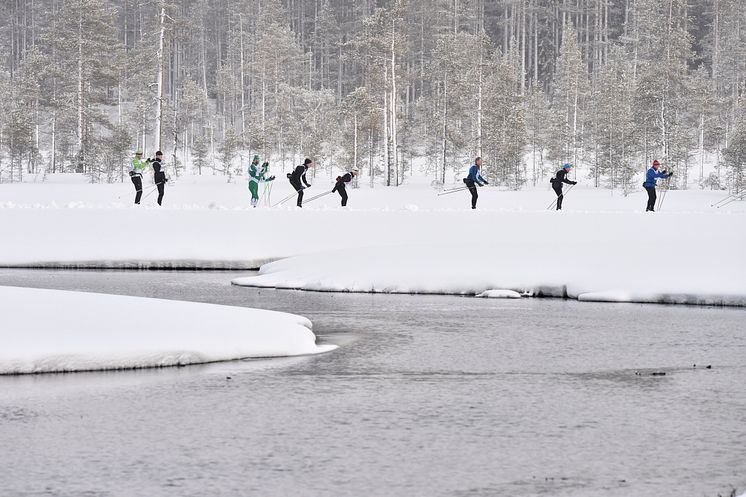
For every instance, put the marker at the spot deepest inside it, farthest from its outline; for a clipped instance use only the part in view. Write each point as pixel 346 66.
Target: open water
pixel 426 396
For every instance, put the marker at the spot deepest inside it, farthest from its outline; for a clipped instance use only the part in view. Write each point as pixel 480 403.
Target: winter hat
pixel 158 153
pixel 656 163
pixel 139 152
pixel 307 161
pixel 567 166
pixel 356 171
pixel 256 158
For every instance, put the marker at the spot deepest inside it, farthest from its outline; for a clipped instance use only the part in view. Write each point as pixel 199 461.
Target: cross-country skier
pixel 473 179
pixel 558 180
pixel 159 177
pixel 298 179
pixel 137 166
pixel 340 187
pixel 650 182
pixel 257 175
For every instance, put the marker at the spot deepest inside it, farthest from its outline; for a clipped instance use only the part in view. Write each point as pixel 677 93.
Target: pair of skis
pixel 733 197
pixel 315 197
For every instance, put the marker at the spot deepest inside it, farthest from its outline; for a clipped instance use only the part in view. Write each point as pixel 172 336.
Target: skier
pixel 298 176
pixel 558 180
pixel 137 166
pixel 340 184
pixel 257 175
pixel 159 177
pixel 473 179
pixel 650 182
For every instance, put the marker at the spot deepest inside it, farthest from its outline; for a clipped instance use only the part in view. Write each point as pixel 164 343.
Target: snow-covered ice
pixel 686 259
pixel 47 331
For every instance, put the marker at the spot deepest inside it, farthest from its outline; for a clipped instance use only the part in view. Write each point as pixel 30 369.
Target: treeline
pixel 380 85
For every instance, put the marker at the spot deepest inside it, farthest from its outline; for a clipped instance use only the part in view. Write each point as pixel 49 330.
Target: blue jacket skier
pixel 473 179
pixel 651 179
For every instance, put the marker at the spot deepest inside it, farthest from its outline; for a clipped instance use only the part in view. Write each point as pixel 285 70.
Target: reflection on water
pixel 427 395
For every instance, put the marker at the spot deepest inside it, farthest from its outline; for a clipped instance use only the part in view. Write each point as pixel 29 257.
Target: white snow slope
pixel 46 331
pixel 405 239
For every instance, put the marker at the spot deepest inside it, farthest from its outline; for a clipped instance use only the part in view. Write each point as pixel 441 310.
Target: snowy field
pixel 602 247
pixel 47 331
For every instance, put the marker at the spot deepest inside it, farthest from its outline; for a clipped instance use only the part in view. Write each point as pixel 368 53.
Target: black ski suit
pixel 159 178
pixel 557 181
pixel 339 186
pixel 296 177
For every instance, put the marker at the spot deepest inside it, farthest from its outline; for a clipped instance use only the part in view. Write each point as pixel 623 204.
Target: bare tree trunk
pixel 243 83
pixel 445 125
pixel 394 144
pixel 81 151
pixel 159 101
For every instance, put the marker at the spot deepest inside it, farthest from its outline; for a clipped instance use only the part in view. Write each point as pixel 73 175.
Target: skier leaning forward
pixel 257 175
pixel 473 179
pixel 558 180
pixel 298 179
pixel 340 187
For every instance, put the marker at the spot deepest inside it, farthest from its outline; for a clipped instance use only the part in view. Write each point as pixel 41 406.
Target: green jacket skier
pixel 137 166
pixel 257 175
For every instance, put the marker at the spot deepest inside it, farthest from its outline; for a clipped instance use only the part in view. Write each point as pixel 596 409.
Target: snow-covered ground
pixel 405 239
pixel 54 331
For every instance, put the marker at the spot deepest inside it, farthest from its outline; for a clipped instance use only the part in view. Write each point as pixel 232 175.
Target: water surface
pixel 426 396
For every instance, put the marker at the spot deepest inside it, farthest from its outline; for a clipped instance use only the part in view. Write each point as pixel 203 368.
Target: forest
pixel 387 86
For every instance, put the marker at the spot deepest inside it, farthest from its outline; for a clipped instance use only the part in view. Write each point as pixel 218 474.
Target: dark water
pixel 426 396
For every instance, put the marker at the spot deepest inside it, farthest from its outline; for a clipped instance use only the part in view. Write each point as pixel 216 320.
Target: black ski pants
pixel 652 197
pixel 558 190
pixel 473 190
pixel 340 187
pixel 161 189
pixel 137 181
pixel 298 188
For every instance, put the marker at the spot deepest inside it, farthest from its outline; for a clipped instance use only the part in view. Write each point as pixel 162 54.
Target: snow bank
pixel 678 259
pixel 500 294
pixel 46 331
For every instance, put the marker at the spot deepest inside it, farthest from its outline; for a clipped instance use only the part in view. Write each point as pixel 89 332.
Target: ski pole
pixel 285 199
pixel 151 191
pixel 446 192
pixel 663 194
pixel 564 194
pixel 267 193
pixel 317 197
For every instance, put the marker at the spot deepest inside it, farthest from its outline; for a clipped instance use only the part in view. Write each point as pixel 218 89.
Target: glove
pixel 486 182
pixel 271 178
pixel 308 186
pixel 132 173
pixel 288 175
pixel 574 182
pixel 670 174
pixel 266 164
pixel 165 180
pixel 148 160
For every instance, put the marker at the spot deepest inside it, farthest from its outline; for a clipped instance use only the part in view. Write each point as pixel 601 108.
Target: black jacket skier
pixel 558 180
pixel 159 177
pixel 298 179
pixel 340 185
